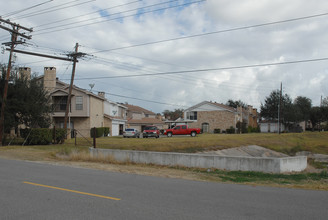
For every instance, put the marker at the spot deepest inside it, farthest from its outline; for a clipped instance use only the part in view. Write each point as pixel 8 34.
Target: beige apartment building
pixel 87 110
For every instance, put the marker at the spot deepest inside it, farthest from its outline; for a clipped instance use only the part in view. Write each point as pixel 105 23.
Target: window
pixel 79 103
pixel 192 115
pixel 184 127
pixel 63 103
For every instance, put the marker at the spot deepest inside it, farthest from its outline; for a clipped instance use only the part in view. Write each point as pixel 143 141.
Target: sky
pixel 181 52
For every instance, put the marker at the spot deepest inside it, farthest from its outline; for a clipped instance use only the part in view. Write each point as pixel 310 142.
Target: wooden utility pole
pixel 279 108
pixel 71 57
pixel 74 55
pixel 14 34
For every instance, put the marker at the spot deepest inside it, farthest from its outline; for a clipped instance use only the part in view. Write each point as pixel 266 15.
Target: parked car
pixel 182 130
pixel 131 132
pixel 151 131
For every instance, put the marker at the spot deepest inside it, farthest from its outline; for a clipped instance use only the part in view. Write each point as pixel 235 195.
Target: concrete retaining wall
pixel 267 165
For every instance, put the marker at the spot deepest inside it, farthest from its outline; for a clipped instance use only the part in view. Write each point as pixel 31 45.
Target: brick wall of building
pixel 216 119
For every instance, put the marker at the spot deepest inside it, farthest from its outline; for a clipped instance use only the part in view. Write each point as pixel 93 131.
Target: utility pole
pixel 74 55
pixel 279 108
pixel 71 57
pixel 14 35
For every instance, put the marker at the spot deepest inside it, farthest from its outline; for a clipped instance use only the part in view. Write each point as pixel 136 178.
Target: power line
pixel 25 9
pixel 52 10
pixel 210 69
pixel 215 32
pixel 79 16
pixel 145 100
pixel 139 13
pixel 208 83
pixel 109 15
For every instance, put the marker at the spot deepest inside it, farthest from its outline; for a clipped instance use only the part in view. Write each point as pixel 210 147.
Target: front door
pixel 205 127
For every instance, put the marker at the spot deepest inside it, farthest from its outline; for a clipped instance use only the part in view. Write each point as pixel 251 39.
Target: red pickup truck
pixel 182 130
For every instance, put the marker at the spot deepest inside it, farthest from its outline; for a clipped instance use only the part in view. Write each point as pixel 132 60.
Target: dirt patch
pixel 247 151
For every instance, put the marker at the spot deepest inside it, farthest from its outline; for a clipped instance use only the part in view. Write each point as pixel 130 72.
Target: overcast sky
pixel 218 38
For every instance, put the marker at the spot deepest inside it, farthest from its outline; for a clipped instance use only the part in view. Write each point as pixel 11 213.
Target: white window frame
pixel 79 103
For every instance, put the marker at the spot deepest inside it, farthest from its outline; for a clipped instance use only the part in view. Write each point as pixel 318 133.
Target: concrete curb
pixel 260 164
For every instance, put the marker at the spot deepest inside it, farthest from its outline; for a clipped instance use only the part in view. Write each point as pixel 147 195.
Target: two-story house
pixel 114 116
pixel 139 118
pixel 212 115
pixel 87 110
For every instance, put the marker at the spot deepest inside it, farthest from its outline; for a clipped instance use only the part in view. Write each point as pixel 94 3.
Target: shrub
pixel 217 131
pixel 40 136
pixel 231 130
pixel 106 131
pixel 100 132
pixel 60 135
pixel 24 132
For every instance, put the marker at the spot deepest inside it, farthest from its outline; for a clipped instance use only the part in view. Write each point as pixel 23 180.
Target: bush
pixel 217 131
pixel 100 132
pixel 24 132
pixel 231 130
pixel 40 136
pixel 60 135
pixel 106 131
pixel 250 129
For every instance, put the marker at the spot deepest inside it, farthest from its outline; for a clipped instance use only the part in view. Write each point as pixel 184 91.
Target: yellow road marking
pixel 74 191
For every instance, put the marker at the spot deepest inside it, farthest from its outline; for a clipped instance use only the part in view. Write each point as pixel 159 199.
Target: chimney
pixel 25 72
pixel 49 79
pixel 101 94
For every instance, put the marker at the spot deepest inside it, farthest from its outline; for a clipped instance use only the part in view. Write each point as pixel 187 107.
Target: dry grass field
pixel 77 155
pixel 290 143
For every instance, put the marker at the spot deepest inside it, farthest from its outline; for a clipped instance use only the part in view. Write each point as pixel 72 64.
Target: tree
pixel 173 115
pixel 302 108
pixel 270 108
pixel 325 102
pixel 235 104
pixel 27 102
pixel 316 117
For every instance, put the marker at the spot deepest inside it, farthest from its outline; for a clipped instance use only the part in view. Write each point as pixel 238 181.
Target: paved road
pixel 142 197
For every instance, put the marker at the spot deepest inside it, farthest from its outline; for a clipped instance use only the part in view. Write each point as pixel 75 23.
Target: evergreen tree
pixel 27 102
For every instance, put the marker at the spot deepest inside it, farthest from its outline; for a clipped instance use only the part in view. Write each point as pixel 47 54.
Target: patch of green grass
pixel 317 164
pixel 248 176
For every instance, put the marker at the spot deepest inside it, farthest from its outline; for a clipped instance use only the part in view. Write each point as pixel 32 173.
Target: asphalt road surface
pixel 30 190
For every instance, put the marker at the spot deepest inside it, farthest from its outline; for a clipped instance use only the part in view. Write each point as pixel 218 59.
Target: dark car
pixel 150 131
pixel 131 132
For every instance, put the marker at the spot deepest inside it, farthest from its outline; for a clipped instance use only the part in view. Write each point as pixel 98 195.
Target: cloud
pixel 297 40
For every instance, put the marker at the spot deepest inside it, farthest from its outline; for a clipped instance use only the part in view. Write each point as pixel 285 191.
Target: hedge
pixel 60 135
pixel 100 132
pixel 42 136
pixel 231 130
